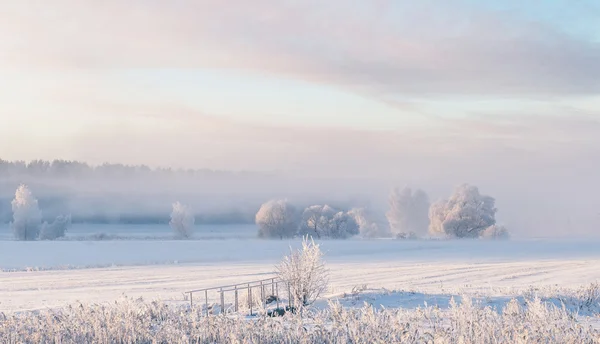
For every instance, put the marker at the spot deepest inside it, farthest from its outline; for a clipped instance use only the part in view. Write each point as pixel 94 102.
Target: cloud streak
pixel 387 50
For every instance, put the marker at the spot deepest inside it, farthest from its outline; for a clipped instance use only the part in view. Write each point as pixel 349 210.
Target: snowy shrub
pixel 56 229
pixel 467 214
pixel 305 273
pixel 182 221
pixel 316 220
pixel 27 217
pixel 276 219
pixel 408 213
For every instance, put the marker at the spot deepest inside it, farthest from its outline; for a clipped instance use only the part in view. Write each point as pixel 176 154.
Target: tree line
pixel 465 214
pixel 70 168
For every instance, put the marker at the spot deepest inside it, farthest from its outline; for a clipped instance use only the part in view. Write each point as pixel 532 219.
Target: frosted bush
pixel 305 273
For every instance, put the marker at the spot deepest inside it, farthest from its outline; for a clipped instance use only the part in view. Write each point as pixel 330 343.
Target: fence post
pixel 272 286
pixel 277 294
pixel 250 298
pixel 236 299
pixel 262 294
pixel 191 300
pixel 222 302
pixel 206 301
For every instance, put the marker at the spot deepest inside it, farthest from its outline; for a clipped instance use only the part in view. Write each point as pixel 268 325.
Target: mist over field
pixel 531 202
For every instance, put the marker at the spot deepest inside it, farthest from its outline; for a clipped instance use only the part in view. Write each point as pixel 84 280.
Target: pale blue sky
pixel 226 81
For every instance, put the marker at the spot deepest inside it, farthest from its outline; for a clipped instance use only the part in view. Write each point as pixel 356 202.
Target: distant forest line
pixel 62 187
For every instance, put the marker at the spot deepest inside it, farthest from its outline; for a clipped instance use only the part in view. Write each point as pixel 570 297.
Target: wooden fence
pixel 270 291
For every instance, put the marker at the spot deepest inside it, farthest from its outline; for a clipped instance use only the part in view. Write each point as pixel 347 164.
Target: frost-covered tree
pixel 342 226
pixel 27 217
pixel 276 219
pixel 366 227
pixel 182 221
pixel 408 215
pixel 467 214
pixel 305 273
pixel 56 229
pixel 316 220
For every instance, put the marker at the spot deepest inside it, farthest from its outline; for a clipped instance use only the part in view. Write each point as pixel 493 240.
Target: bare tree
pixel 27 217
pixel 276 219
pixel 182 221
pixel 305 273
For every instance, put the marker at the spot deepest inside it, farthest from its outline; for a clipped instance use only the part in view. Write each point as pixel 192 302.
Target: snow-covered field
pixel 396 274
pixel 48 274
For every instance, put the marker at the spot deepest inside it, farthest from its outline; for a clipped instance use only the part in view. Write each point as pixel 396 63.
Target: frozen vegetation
pixel 464 321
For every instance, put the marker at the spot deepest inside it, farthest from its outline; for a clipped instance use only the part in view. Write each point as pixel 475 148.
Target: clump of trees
pixel 279 219
pixel 182 221
pixel 27 218
pixel 324 221
pixel 466 214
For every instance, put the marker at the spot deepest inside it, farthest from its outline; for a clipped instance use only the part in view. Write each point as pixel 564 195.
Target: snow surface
pixel 51 274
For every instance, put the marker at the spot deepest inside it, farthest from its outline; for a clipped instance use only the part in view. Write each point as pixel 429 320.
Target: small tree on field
pixel 305 273
pixel 27 217
pixel 182 221
pixel 276 219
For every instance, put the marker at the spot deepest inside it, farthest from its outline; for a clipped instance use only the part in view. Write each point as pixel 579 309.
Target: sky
pixel 361 87
pixel 432 93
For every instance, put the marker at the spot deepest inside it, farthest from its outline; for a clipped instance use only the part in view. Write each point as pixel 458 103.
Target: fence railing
pixel 269 290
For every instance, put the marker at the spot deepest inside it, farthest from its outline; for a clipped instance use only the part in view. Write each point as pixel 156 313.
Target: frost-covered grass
pixel 156 322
